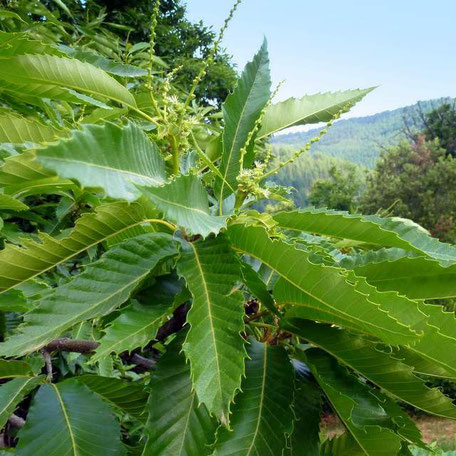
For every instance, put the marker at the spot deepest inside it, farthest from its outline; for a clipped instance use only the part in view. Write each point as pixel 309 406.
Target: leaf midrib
pixel 50 82
pixel 95 165
pixel 129 336
pixel 208 301
pixel 238 124
pixel 67 420
pixel 187 420
pixel 313 113
pixel 262 395
pixel 17 392
pixel 172 203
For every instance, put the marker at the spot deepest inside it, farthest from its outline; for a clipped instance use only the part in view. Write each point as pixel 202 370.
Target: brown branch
pixel 72 345
pixel 139 360
pixel 174 324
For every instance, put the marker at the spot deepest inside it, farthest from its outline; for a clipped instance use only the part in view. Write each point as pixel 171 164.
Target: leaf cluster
pixel 148 309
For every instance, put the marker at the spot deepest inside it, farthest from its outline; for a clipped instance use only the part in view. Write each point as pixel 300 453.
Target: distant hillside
pixel 360 139
pixel 306 170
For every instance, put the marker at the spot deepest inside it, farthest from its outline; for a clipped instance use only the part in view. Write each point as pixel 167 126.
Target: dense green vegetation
pixel 308 169
pixel 147 309
pixel 416 179
pixel 108 25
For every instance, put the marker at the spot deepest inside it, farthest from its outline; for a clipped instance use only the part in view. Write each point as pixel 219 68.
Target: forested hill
pixel 360 139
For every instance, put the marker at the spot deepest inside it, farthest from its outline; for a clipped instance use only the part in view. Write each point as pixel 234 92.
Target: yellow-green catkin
pixel 210 58
pixel 153 26
pixel 166 89
pixel 257 124
pixel 307 147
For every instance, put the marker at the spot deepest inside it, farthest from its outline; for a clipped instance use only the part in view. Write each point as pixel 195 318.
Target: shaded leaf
pixel 17 130
pixel 127 396
pixel 99 289
pixel 177 424
pixel 110 66
pixel 262 414
pixel 307 406
pixel 14 369
pixel 257 287
pixel 361 409
pixel 21 175
pixel 412 276
pixel 7 202
pixel 12 44
pixel 12 393
pixel 341 445
pixel 134 327
pixel 18 265
pixel 66 418
pixel 390 374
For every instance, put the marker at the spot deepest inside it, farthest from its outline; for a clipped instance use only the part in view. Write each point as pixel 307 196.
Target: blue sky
pixel 407 47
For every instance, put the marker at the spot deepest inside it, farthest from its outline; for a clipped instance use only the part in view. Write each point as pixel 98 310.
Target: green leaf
pixel 107 156
pixel 214 345
pixel 50 76
pixel 22 176
pixel 412 276
pixel 387 372
pixel 119 69
pixel 127 396
pixel 307 406
pixel 134 327
pixel 11 14
pixel 7 202
pixel 12 44
pixel 177 424
pixel 436 327
pixel 18 130
pixel 12 393
pixel 341 445
pixel 99 289
pixel 19 264
pixel 262 414
pixel 420 364
pixel 257 287
pixel 321 288
pixel 363 411
pixel 66 418
pixel 185 202
pixel 310 109
pixel 100 115
pixel 240 111
pixel 370 229
pixel 14 369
